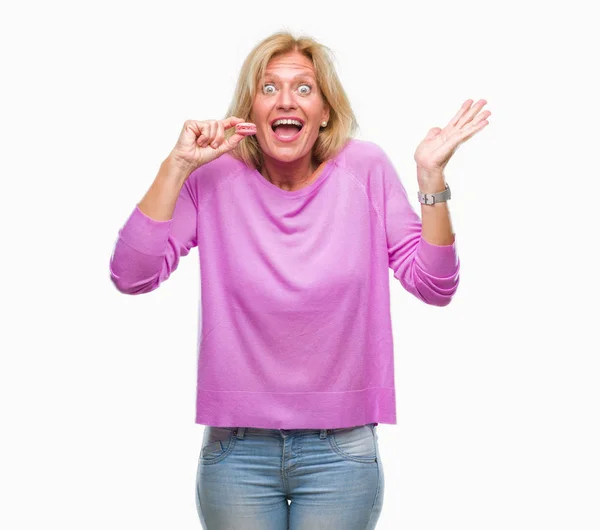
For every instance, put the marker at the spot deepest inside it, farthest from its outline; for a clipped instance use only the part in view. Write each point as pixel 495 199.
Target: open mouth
pixel 287 130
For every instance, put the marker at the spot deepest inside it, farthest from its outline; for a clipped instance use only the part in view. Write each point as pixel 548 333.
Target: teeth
pixel 287 122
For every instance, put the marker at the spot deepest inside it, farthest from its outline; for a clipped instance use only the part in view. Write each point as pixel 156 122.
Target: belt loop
pixel 323 434
pixel 239 432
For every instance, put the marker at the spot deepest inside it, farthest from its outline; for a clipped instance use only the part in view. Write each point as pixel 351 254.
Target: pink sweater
pixel 295 328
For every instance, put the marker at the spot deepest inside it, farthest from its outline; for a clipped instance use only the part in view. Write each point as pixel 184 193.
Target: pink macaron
pixel 245 128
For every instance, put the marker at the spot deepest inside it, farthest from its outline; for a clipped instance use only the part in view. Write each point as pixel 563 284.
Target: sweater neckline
pixel 302 192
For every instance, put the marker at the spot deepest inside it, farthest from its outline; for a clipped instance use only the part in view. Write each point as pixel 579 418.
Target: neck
pixel 290 176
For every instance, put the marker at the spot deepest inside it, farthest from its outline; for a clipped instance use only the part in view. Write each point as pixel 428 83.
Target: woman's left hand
pixel 439 145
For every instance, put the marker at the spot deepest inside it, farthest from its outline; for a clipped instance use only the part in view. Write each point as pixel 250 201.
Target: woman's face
pixel 288 90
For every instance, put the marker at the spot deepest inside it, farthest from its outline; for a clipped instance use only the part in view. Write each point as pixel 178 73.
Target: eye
pixel 306 87
pixel 268 86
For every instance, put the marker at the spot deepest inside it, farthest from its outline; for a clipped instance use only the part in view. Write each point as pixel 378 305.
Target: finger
pixel 220 135
pixel 212 131
pixel 231 122
pixel 465 106
pixel 201 133
pixel 202 139
pixel 472 130
pixel 480 117
pixel 468 117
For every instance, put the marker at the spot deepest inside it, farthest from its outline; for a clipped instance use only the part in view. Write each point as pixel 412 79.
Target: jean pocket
pixel 355 443
pixel 218 442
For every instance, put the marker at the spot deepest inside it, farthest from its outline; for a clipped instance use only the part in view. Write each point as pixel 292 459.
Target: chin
pixel 289 156
pixel 289 153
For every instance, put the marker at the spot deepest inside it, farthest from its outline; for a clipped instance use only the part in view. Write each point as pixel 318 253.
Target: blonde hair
pixel 342 123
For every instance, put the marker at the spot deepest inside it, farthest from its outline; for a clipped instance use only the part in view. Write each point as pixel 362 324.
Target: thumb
pixel 433 133
pixel 231 143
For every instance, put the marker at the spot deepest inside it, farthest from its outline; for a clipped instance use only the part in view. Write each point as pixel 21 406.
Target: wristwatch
pixel 432 198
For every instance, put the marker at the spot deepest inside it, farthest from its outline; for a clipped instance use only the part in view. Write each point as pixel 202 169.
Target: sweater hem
pixel 296 410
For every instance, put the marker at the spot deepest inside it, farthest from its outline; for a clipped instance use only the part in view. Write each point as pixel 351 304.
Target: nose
pixel 286 99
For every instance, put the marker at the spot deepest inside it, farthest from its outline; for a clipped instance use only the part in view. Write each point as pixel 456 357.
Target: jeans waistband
pixel 241 431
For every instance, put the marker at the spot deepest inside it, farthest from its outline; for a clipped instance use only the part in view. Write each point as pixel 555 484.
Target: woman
pixel 296 228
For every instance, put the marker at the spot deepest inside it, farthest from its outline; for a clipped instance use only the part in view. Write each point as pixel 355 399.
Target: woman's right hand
pixel 203 141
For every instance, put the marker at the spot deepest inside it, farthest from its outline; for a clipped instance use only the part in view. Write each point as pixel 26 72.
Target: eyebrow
pixel 275 76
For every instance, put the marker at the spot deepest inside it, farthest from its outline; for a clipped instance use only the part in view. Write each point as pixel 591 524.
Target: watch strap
pixel 432 198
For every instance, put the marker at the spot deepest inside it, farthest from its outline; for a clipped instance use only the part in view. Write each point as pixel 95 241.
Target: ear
pixel 326 114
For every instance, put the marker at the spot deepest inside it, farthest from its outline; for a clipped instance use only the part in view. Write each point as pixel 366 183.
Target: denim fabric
pixel 332 478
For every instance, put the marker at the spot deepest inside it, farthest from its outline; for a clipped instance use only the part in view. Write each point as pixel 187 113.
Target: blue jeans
pixel 332 477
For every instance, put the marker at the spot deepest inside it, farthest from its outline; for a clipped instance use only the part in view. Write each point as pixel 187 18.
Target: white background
pixel 498 399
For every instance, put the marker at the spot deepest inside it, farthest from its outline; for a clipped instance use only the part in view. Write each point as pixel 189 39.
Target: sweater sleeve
pixel 147 251
pixel 429 272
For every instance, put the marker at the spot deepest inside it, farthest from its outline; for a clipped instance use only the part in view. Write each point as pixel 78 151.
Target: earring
pixel 324 124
